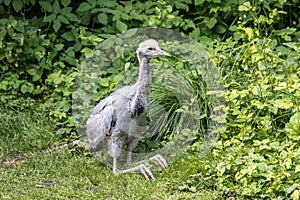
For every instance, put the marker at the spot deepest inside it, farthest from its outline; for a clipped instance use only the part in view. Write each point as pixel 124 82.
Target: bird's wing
pixel 100 122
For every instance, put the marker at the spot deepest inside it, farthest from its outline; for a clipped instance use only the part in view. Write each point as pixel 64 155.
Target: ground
pixel 32 168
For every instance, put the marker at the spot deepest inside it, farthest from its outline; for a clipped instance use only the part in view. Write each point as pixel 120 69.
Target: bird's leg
pixel 115 170
pixel 131 145
pixel 129 157
pixel 141 167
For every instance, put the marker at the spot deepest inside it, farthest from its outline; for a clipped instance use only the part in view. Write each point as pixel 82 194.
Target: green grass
pixel 72 174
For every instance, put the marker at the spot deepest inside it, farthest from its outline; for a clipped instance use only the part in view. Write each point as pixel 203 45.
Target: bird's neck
pixel 144 77
pixel 140 100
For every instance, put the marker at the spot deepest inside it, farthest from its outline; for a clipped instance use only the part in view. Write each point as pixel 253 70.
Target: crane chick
pixel 119 119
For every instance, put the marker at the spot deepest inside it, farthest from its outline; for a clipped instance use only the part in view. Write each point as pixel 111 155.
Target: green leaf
pixel 59 47
pixel 56 25
pixel 7 2
pixel 50 18
pixel 35 73
pixel 56 7
pixel 69 36
pixel 109 4
pixel 63 19
pixel 27 88
pixel 293 45
pixel 72 17
pixel 17 5
pixel 198 2
pixel 245 7
pixel 65 2
pixel 70 60
pixel 121 26
pixel 102 17
pixel 284 103
pixel 84 7
pixel 210 22
pixel 295 195
pixel 195 34
pixel 106 44
pixel 93 2
pixel 285 31
pixel 46 6
pixel 32 71
pixel 182 6
pixel 221 29
pixel 104 82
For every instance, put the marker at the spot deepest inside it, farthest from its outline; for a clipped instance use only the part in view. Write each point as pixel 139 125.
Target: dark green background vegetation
pixel 256 45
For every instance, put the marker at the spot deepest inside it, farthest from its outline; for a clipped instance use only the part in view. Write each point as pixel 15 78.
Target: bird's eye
pixel 151 48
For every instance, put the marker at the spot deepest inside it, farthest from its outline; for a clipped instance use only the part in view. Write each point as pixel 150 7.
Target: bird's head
pixel 150 49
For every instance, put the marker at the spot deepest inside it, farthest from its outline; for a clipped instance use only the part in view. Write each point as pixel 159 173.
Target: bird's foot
pixel 142 168
pixel 159 160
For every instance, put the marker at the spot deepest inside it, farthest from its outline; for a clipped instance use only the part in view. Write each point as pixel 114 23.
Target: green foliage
pixel 258 154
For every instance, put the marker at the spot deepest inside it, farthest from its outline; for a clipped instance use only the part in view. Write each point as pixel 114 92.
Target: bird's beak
pixel 163 53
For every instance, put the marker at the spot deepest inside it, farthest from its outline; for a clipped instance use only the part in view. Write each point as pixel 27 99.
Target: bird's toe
pixel 160 161
pixel 146 172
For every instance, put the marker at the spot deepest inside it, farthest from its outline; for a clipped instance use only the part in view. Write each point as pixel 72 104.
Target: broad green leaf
pixel 102 17
pixel 93 2
pixel 129 33
pixel 37 76
pixel 221 28
pixel 50 18
pixel 295 195
pixel 27 88
pixel 288 163
pixel 198 2
pixel 182 6
pixel 17 5
pixel 109 4
pixel 56 25
pixel 210 22
pixel 70 60
pixel 59 47
pixel 293 45
pixel 285 31
pixel 121 26
pixel 56 7
pixel 69 36
pixel 46 6
pixel 32 71
pixel 283 103
pixel 245 7
pixel 104 82
pixel 281 86
pixel 62 19
pixel 195 34
pixel 295 119
pixel 83 7
pixel 72 17
pixel 65 2
pixel 65 11
pixel 7 2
